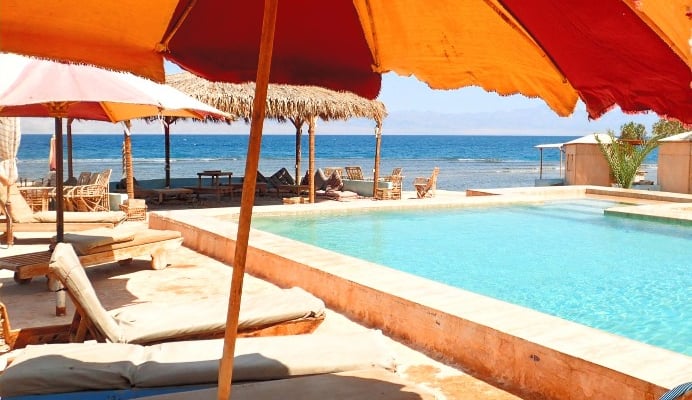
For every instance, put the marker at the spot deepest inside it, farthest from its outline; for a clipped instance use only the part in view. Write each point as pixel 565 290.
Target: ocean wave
pixel 517 170
pixel 483 160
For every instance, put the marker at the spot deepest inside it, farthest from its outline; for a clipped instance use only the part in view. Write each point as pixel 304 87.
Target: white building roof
pixel 591 139
pixel 680 137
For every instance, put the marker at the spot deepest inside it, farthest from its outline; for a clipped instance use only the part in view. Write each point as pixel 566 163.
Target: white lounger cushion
pixel 61 368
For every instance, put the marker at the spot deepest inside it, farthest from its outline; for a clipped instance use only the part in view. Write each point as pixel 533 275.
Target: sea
pixel 465 161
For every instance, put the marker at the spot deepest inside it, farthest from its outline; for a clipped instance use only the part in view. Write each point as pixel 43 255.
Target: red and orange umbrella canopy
pixel 633 54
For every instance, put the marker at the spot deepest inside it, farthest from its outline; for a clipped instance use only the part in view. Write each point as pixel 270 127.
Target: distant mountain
pixel 532 121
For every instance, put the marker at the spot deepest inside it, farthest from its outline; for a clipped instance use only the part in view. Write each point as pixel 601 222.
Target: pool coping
pixel 527 352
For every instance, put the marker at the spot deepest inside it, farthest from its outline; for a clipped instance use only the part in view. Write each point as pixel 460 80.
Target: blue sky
pixel 414 108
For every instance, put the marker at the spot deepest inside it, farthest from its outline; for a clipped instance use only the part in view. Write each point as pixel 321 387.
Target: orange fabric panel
pixel 460 44
pixel 117 35
pixel 670 20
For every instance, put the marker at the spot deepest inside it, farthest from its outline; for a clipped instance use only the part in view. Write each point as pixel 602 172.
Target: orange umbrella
pixel 633 54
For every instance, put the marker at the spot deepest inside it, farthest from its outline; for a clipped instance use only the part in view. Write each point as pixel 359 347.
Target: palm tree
pixel 625 157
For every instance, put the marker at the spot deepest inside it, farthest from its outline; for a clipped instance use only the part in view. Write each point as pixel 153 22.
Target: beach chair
pixel 354 173
pixel 19 217
pixel 101 246
pixel 178 366
pixel 84 178
pixel 38 197
pixel 282 182
pixel 271 312
pixel 328 171
pixel 393 193
pixel 425 187
pixel 92 196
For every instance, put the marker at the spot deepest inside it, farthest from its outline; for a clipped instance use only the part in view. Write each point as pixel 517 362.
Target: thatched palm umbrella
pixel 298 104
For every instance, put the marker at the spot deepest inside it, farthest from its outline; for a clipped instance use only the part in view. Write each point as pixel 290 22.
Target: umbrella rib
pixel 515 24
pixel 163 46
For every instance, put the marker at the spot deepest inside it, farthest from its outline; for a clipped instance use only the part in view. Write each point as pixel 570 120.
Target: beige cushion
pixel 145 322
pixel 142 236
pixel 113 217
pixel 320 179
pixel 85 241
pixel 340 195
pixel 59 368
pixel 264 358
pixel 334 182
pixel 99 240
pixel 65 265
pixel 20 209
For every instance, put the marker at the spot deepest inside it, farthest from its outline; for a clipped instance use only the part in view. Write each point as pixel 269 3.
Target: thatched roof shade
pixel 283 101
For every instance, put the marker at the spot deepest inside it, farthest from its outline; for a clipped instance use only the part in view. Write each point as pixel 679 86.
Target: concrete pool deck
pixel 531 354
pixel 448 339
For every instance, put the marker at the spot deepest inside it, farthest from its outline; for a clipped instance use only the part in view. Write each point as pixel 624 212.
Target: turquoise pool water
pixel 566 258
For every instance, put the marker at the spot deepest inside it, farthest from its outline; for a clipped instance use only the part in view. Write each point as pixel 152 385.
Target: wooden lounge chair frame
pixel 425 187
pixel 30 265
pixel 11 339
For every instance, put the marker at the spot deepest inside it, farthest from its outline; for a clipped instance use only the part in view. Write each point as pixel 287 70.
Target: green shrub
pixel 632 131
pixel 663 128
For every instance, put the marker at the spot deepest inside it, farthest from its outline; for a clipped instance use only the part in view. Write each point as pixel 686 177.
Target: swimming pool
pixel 566 258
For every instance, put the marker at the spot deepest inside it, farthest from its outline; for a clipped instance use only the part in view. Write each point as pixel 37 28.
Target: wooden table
pixel 215 177
pixel 216 186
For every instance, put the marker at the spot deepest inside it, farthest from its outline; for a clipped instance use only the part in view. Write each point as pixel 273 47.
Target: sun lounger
pixel 21 218
pixel 105 369
pixel 287 311
pixel 100 246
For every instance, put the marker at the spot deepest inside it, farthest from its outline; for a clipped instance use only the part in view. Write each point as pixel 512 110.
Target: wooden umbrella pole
pixel 70 171
pixel 298 123
pixel 129 178
pixel 376 170
pixel 59 199
pixel 311 158
pixel 248 197
pixel 167 148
